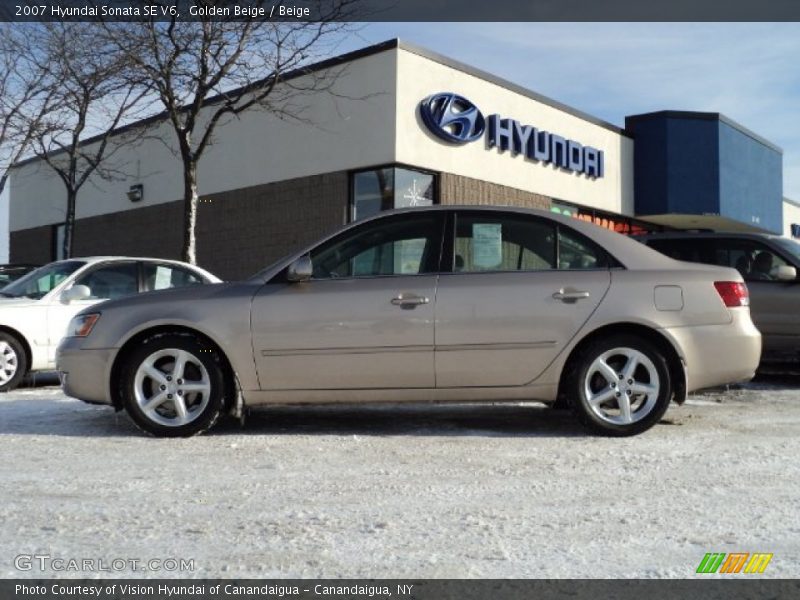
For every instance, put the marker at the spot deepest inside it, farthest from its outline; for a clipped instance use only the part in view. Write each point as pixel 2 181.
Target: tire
pixel 166 404
pixel 13 362
pixel 601 380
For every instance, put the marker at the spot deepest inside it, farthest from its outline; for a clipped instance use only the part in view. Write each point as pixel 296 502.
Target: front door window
pixel 407 246
pixel 112 281
pixel 755 261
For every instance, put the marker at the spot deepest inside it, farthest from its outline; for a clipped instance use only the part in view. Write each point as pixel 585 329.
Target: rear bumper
pixel 84 373
pixel 719 354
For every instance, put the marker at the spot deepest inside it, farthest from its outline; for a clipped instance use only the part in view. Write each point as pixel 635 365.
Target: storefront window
pixel 390 187
pixel 413 188
pixel 614 222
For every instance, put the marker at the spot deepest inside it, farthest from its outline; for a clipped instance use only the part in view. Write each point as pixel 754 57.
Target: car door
pixel 520 289
pixel 364 320
pixel 105 282
pixel 773 303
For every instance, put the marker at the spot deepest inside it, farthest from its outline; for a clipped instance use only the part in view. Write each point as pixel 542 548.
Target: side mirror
pixel 300 270
pixel 76 292
pixel 786 273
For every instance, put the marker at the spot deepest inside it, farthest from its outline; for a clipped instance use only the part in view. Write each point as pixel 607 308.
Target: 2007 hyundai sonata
pixel 433 304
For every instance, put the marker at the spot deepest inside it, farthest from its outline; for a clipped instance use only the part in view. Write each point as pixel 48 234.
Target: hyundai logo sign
pixel 452 118
pixel 455 119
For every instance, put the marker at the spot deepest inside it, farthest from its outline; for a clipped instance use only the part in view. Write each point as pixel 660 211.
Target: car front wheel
pixel 174 386
pixel 621 386
pixel 13 363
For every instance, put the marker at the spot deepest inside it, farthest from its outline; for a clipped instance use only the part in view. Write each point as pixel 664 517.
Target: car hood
pixel 176 295
pixel 17 302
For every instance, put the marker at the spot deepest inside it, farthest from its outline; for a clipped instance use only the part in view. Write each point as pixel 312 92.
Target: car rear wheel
pixel 13 362
pixel 621 386
pixel 174 386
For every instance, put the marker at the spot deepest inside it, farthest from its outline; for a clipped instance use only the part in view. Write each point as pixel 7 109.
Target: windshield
pixel 41 281
pixel 790 246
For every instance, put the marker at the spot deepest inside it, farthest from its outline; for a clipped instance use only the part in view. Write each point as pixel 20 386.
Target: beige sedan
pixel 453 304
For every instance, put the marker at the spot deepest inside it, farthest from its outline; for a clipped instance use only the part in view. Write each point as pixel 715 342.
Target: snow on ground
pixel 405 491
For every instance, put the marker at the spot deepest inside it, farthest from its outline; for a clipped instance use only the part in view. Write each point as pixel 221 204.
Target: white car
pixel 36 309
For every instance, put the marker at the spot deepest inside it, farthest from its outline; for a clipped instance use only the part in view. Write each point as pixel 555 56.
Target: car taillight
pixel 733 293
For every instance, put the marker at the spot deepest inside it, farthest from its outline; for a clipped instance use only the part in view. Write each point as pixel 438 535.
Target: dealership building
pixel 406 127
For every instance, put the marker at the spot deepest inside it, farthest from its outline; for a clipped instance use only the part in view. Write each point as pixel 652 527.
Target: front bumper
pixel 84 372
pixel 719 354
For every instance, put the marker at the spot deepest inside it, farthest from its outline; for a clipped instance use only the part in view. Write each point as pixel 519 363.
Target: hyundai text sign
pixel 456 120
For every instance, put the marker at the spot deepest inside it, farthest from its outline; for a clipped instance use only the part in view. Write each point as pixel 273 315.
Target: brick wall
pixel 456 189
pixel 33 245
pixel 238 232
pixel 244 230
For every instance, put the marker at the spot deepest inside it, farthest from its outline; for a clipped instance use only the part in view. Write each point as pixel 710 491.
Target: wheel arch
pixel 232 385
pixel 675 364
pixel 23 342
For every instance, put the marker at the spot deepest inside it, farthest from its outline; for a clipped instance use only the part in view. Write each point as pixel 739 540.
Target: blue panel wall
pixel 751 180
pixel 702 163
pixel 692 167
pixel 649 165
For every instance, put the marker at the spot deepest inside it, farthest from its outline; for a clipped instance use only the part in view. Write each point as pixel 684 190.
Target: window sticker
pixel 163 278
pixel 487 245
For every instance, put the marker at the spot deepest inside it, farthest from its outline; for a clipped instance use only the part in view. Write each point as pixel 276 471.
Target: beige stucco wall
pixel 339 131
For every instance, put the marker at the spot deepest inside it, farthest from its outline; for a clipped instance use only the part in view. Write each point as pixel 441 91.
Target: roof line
pixel 293 74
pixel 355 55
pixel 792 202
pixel 706 116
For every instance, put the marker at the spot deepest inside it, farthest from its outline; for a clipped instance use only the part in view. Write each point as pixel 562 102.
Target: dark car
pixel 9 273
pixel 769 265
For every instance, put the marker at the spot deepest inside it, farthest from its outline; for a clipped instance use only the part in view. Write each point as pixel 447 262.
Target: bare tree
pixel 211 69
pixel 89 94
pixel 24 96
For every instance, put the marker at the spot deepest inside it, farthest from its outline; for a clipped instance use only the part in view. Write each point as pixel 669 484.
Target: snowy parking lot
pixel 401 491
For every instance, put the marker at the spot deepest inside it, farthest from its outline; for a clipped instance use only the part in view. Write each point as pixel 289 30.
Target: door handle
pixel 409 300
pixel 570 296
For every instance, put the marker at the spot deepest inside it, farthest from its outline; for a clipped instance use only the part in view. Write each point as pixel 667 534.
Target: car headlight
pixel 82 325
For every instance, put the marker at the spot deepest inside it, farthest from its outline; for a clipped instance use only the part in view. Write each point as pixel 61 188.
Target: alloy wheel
pixel 172 387
pixel 9 362
pixel 622 386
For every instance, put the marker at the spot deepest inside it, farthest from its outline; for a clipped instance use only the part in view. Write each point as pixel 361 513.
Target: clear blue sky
pixel 747 71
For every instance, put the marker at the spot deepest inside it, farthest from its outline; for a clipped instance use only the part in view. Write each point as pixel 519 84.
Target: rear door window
pixel 503 243
pixel 165 276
